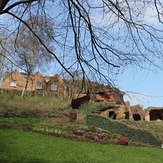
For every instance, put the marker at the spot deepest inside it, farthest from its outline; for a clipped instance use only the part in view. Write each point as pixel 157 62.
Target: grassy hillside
pixel 12 105
pixel 17 111
pixel 117 127
pixel 19 146
pixel 155 127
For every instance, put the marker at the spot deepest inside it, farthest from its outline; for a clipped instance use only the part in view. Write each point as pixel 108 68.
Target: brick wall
pixel 37 83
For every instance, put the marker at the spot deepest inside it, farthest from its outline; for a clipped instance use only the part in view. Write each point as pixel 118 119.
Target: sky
pixel 142 87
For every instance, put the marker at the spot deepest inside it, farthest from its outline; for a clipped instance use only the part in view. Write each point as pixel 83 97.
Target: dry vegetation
pixel 12 105
pixel 54 113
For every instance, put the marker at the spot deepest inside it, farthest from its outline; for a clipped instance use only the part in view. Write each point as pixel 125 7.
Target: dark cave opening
pixel 136 117
pixel 112 115
pixel 156 114
pixel 127 115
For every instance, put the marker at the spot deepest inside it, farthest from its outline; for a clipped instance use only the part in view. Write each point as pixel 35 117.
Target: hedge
pixel 118 128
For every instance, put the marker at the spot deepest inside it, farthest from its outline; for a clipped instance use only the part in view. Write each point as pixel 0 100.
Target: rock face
pixel 137 113
pixel 76 117
pixel 124 111
pixel 117 111
pixel 153 113
pixel 73 116
pixel 77 102
pixel 112 95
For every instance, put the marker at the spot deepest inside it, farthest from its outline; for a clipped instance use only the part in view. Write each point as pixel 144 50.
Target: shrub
pixel 93 137
pixel 90 107
pixel 119 128
pixel 122 141
pixel 102 135
pixel 79 132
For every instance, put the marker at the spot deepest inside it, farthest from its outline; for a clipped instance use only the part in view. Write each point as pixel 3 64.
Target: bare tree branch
pixel 14 5
pixel 96 37
pixel 41 42
pixel 3 4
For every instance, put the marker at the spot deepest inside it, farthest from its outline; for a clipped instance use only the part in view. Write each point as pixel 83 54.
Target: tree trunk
pixel 3 4
pixel 25 86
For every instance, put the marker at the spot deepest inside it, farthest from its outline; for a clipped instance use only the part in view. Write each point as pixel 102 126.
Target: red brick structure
pixel 37 83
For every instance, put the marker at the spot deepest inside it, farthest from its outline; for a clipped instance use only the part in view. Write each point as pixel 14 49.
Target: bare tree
pixel 99 37
pixel 2 63
pixel 5 62
pixel 29 53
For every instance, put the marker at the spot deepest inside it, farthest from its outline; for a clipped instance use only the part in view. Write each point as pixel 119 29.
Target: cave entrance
pixel 126 115
pixel 112 115
pixel 156 114
pixel 136 117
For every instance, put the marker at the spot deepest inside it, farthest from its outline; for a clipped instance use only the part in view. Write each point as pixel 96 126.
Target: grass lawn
pixel 20 146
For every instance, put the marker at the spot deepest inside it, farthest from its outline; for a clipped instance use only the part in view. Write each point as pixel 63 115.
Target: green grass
pixel 20 146
pixel 154 127
pixel 90 107
pixel 21 121
pixel 12 105
pixel 13 99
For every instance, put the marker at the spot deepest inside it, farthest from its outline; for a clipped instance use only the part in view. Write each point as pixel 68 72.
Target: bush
pixel 90 107
pixel 122 141
pixel 119 128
